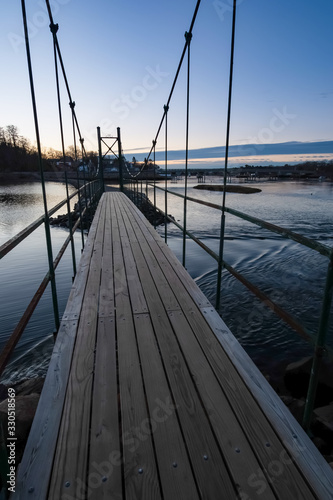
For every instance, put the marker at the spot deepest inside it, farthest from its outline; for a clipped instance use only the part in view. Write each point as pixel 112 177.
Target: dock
pixel 148 394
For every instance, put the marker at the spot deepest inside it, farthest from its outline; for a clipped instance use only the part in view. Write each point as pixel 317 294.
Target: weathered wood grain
pixel 140 471
pixel 71 459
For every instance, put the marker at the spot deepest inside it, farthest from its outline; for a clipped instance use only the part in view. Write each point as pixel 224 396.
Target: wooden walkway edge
pixel 148 394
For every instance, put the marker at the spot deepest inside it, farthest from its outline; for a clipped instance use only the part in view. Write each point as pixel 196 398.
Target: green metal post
pixel 166 109
pixel 41 170
pixel 319 347
pixel 121 182
pixel 154 144
pixel 100 158
pixel 70 225
pixel 188 37
pixel 85 199
pixel 220 261
pixel 80 209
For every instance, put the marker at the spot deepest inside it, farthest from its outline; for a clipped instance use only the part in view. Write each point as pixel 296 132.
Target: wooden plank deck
pixel 148 394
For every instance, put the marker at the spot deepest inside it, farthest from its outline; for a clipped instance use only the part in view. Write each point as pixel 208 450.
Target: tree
pixel 134 161
pixel 13 135
pixel 2 136
pixel 70 151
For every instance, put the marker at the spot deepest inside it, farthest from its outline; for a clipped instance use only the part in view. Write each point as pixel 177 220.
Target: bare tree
pixel 13 135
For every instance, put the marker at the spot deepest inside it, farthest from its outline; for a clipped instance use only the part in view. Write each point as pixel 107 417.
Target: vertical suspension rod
pixel 65 77
pixel 40 162
pixel 54 29
pixel 222 230
pixel 188 37
pixel 166 109
pixel 154 148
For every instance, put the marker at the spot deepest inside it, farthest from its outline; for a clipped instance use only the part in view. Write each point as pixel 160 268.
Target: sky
pixel 121 58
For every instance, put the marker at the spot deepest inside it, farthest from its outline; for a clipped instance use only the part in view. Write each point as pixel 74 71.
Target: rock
pixel 3 392
pixel 323 423
pixel 322 445
pixel 25 408
pixel 297 377
pixel 30 386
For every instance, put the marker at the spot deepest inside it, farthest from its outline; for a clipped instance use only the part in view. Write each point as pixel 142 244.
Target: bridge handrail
pixel 19 237
pixel 13 242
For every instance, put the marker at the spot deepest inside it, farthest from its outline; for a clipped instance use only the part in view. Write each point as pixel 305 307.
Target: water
pixel 23 269
pixel 290 274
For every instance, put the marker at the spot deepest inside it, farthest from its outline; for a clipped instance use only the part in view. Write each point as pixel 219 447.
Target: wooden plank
pixel 305 455
pixel 176 481
pixel 40 447
pixel 70 464
pixel 173 462
pixel 248 429
pixel 286 482
pixel 304 491
pixel 74 303
pixel 164 290
pixel 138 301
pixel 198 435
pixel 104 470
pixel 140 473
pixel 167 260
pixel 106 296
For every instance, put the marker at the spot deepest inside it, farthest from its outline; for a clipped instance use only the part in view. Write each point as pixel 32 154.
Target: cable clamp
pixel 188 37
pixel 54 28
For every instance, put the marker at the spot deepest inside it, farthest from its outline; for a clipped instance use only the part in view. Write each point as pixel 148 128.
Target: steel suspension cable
pixel 54 29
pixel 222 230
pixel 40 162
pixel 188 37
pixel 166 109
pixel 71 102
pixel 154 157
pixel 176 76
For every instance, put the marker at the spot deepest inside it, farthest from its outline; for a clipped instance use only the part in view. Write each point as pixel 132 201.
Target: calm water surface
pixel 23 269
pixel 290 274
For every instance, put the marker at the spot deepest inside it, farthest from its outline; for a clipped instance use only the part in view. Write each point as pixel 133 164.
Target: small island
pixel 230 188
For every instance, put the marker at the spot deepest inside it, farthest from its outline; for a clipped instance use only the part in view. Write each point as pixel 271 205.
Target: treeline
pixel 17 154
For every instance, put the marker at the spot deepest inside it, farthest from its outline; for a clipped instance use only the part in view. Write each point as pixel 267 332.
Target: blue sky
pixel 121 58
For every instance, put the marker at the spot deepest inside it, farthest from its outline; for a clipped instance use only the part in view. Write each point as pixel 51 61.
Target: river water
pixel 290 274
pixel 23 269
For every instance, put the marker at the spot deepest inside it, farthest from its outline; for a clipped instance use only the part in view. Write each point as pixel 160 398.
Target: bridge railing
pixel 138 188
pixel 88 196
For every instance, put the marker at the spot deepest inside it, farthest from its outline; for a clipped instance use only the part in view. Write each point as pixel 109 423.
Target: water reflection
pixel 22 270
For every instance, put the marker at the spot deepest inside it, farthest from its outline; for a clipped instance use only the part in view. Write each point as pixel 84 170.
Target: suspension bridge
pixel 148 394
